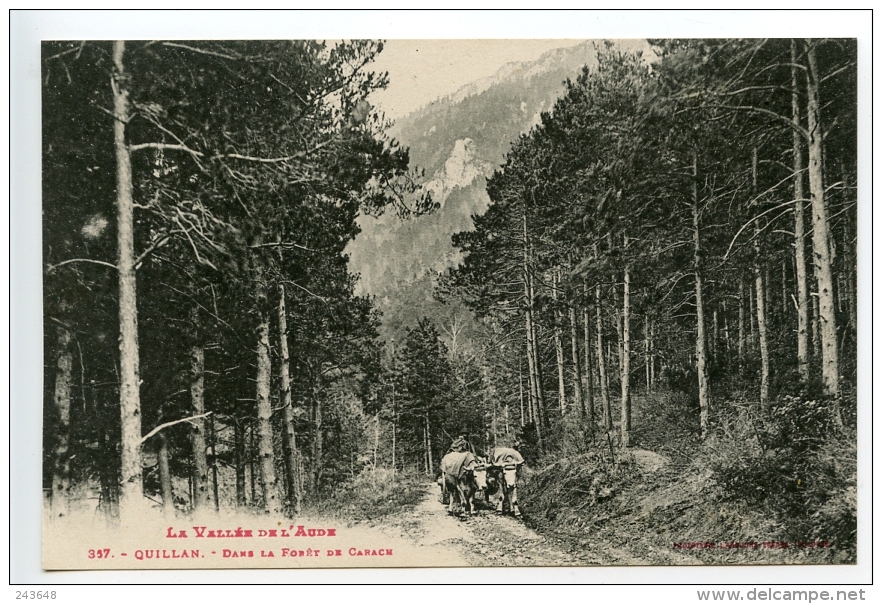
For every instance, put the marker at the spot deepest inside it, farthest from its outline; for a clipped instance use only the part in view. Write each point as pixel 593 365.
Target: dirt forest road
pixel 488 539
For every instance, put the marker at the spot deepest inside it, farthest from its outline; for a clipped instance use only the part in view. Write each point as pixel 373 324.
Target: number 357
pixel 99 553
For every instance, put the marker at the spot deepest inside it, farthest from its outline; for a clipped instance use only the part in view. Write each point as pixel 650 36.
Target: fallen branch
pixel 160 427
pixel 72 260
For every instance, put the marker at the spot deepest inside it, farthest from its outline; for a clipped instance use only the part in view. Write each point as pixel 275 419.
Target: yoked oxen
pixel 502 478
pixel 460 472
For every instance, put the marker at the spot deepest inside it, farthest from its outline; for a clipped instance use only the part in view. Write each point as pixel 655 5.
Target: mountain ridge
pixel 459 140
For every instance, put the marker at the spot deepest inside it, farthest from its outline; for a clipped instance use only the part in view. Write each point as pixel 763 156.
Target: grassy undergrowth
pixel 372 495
pixel 777 488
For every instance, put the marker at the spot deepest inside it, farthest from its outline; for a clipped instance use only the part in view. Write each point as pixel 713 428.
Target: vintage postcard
pixel 411 303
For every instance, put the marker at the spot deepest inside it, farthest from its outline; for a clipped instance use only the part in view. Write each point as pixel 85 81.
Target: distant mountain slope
pixel 494 111
pixel 459 141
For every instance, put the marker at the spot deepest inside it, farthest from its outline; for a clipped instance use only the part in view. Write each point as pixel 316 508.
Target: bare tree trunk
pixel 763 341
pixel 626 358
pixel 850 265
pixel 558 345
pixel 700 336
pixel 429 446
pixel 652 374
pixel 816 328
pixel 761 307
pixel 212 439
pixel 60 503
pixel 578 400
pixel 741 332
pixel 289 435
pixel 317 442
pixel 536 390
pixel 521 387
pixel 646 340
pixel 107 475
pixel 394 429
pixel 785 301
pixel 239 448
pixel 601 363
pixel 589 370
pixel 753 327
pixel 201 486
pixel 165 480
pixel 265 453
pixel 252 472
pixel 727 342
pixel 821 236
pixel 131 493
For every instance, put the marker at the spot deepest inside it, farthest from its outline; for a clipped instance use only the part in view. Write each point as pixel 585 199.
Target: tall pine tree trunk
pixel 61 455
pixel 239 452
pixel 652 375
pixel 537 392
pixel 589 369
pixel 578 400
pixel 131 493
pixel 646 348
pixel 821 236
pixel 165 480
pixel 317 442
pixel 742 336
pixel 626 357
pixel 700 335
pixel 269 484
pixel 601 361
pixel 761 305
pixel 429 446
pixel 558 345
pixel 521 388
pixel 763 340
pixel 289 434
pixel 201 485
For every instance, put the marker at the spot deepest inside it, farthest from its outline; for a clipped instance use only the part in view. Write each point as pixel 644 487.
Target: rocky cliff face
pixel 458 141
pixel 459 171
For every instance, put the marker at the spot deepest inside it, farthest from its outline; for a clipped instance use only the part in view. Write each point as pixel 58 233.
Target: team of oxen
pixel 465 475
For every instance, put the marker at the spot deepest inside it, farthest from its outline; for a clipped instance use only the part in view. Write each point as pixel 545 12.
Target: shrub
pixel 796 465
pixel 372 494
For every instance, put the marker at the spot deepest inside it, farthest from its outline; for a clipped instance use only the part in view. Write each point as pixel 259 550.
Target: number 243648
pixel 35 595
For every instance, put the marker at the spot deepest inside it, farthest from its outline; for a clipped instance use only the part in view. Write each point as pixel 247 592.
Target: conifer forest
pixel 658 299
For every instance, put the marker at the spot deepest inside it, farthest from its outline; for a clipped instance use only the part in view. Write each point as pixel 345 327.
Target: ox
pixel 459 473
pixel 502 478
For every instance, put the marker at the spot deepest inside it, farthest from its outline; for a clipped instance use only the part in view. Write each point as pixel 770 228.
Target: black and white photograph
pixel 449 303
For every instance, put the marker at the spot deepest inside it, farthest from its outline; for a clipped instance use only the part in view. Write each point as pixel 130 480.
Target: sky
pixel 421 71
